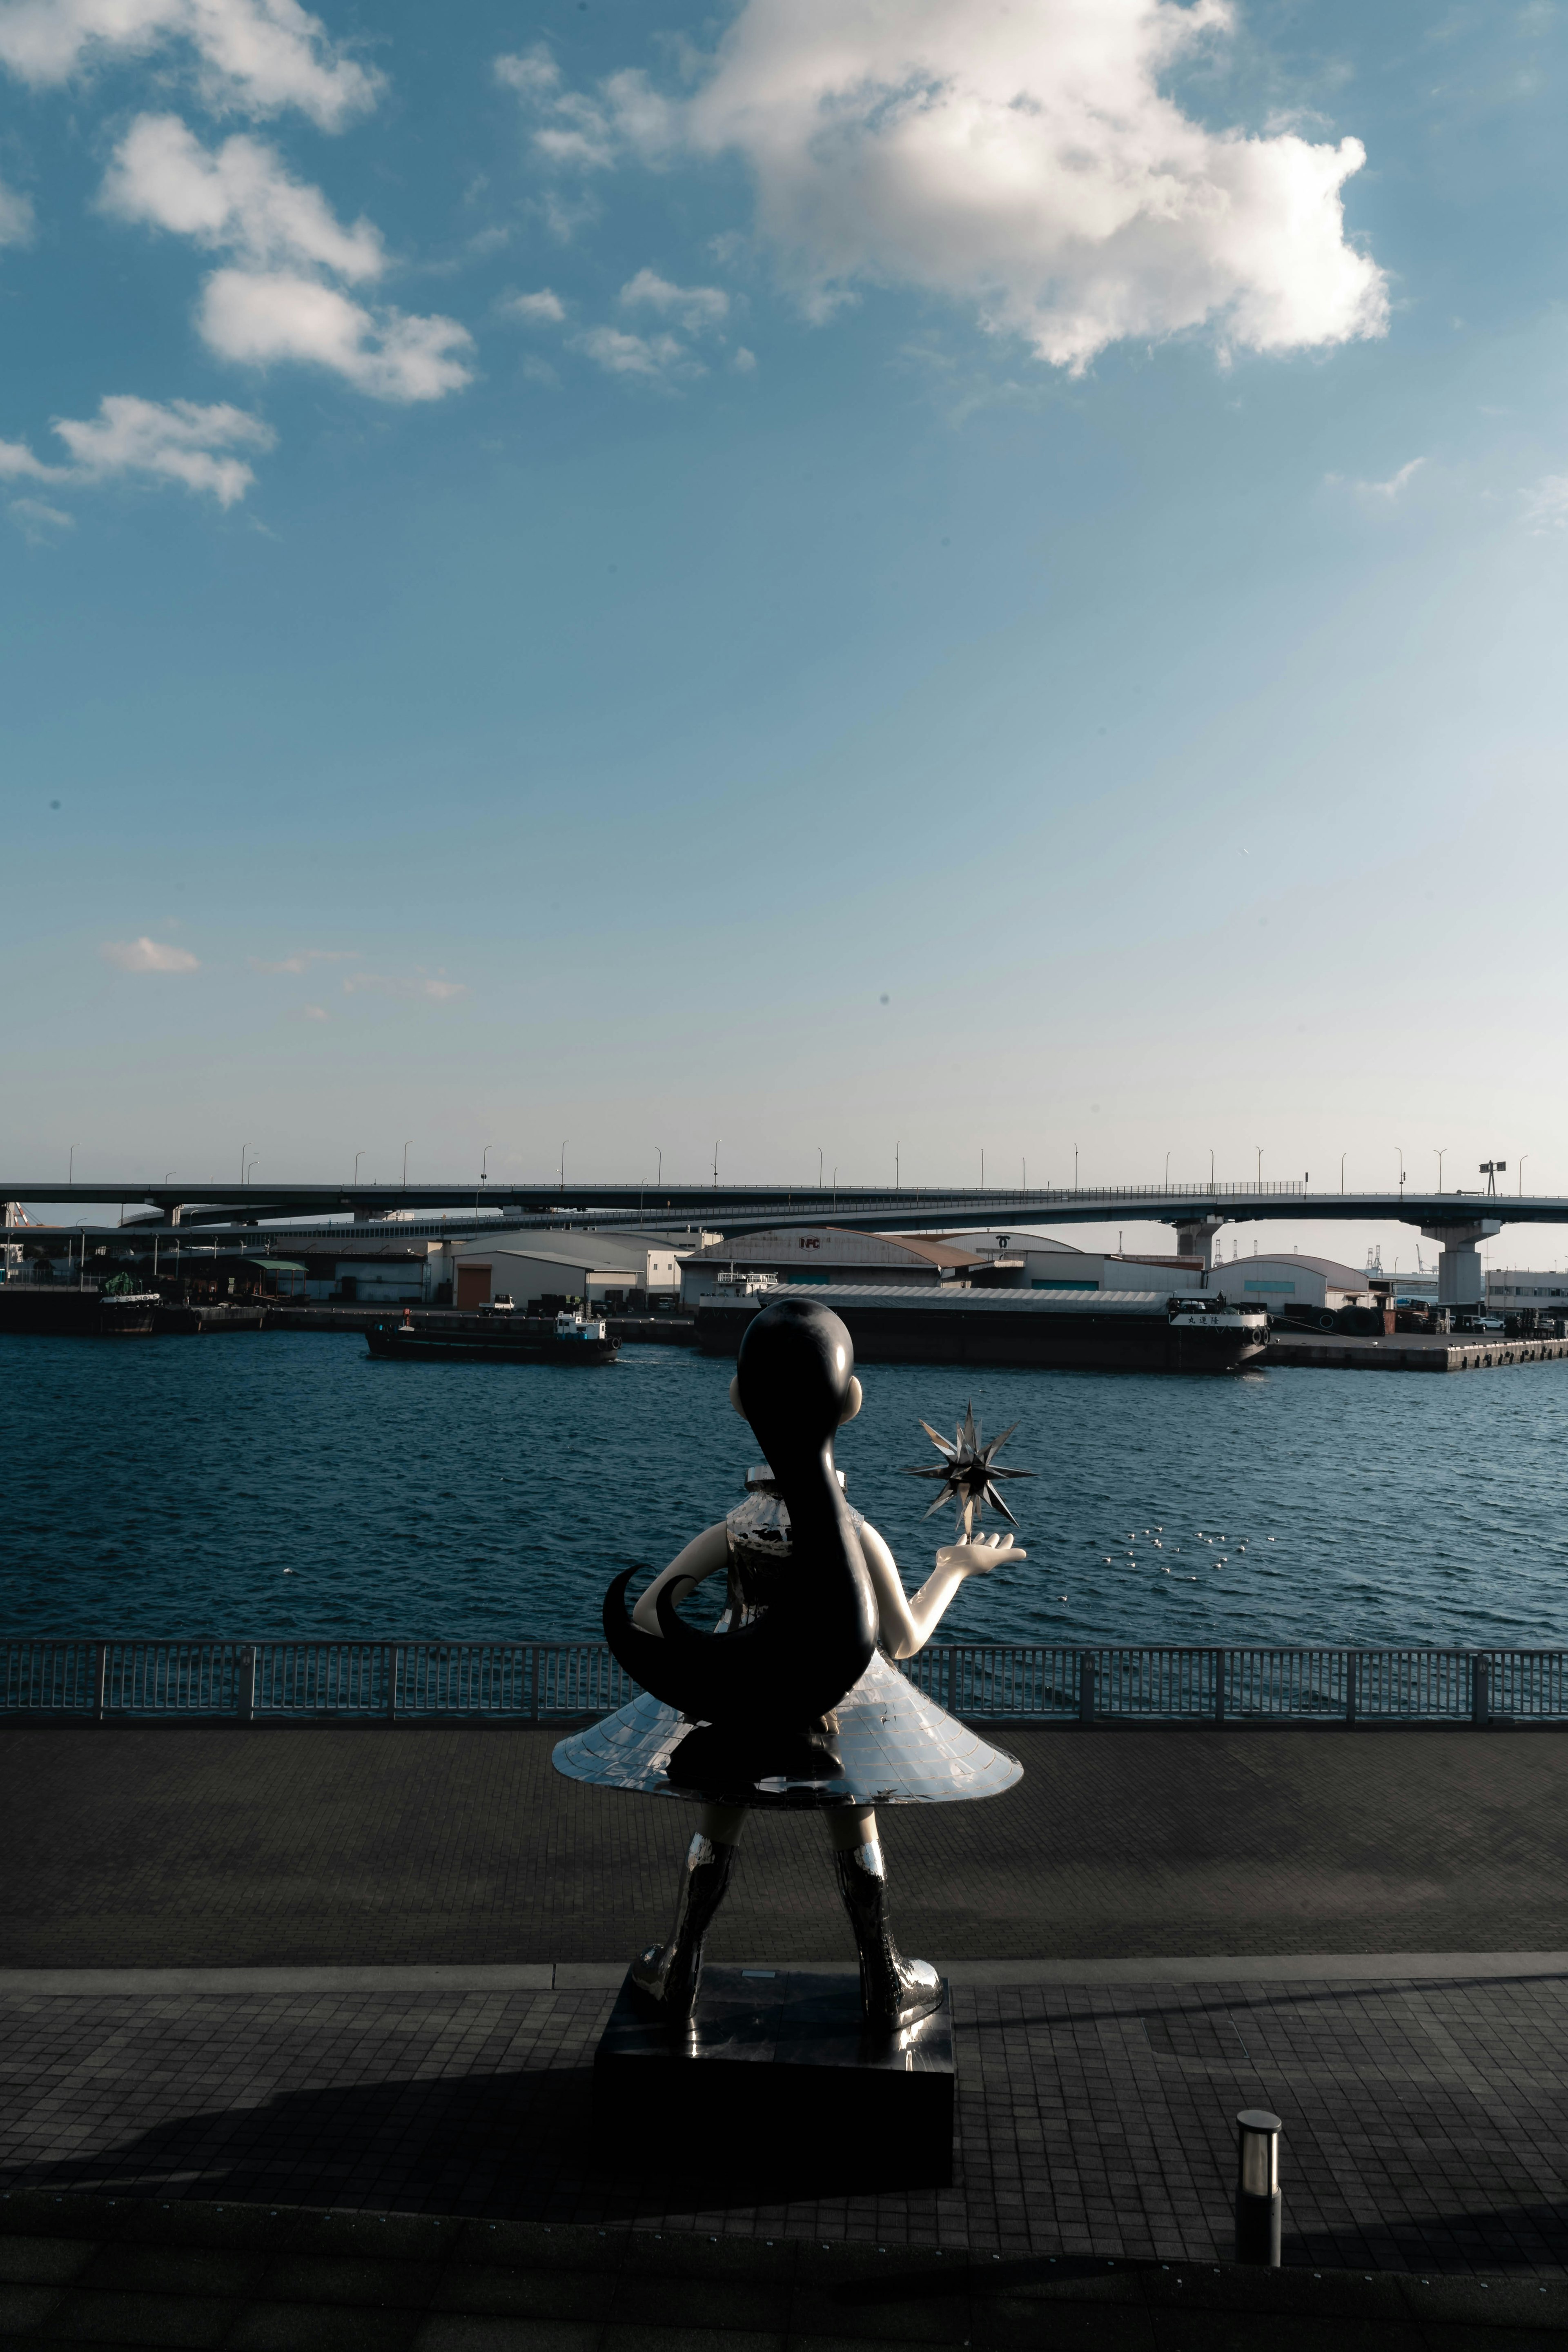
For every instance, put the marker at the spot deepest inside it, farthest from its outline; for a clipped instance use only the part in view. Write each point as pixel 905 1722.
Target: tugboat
pixel 569 1338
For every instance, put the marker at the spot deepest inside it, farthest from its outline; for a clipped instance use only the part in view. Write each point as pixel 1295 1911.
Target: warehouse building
pixel 817 1254
pixel 617 1272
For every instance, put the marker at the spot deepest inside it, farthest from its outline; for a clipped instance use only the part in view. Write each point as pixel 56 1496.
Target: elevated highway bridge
pixel 1458 1221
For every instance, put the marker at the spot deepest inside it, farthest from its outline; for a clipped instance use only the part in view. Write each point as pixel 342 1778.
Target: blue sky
pixel 929 575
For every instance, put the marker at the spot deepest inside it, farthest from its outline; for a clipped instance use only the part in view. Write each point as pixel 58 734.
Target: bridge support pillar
pixel 1194 1235
pixel 1460 1282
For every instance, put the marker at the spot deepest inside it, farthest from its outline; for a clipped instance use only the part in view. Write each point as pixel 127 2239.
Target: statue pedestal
pixel 778 2077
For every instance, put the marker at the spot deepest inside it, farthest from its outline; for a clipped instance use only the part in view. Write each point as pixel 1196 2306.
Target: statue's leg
pixel 669 1973
pixel 893 1991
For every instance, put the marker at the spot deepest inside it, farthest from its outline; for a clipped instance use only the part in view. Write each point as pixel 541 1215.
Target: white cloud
pixel 261 317
pixel 1025 161
pixel 654 359
pixel 590 133
pixel 435 986
pixel 177 441
pixel 542 310
pixel 17 462
pixel 38 521
pixel 744 362
pixel 240 198
pixel 147 955
pixel 1546 504
pixel 255 56
pixel 1387 491
pixel 305 958
pixel 695 306
pixel 15 216
pixel 313 1013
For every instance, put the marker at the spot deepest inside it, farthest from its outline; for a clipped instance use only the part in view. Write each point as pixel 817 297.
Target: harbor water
pixel 274 1484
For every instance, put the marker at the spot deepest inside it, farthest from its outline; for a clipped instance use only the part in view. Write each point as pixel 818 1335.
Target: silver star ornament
pixel 968 1472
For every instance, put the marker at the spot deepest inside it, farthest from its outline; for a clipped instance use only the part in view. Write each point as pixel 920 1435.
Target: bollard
pixel 1260 2207
pixel 1086 1689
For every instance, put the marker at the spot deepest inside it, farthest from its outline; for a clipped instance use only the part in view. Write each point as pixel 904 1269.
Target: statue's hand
pixel 979 1557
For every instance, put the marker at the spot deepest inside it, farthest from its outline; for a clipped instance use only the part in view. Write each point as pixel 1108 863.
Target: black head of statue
pixel 759 1686
pixel 796 1367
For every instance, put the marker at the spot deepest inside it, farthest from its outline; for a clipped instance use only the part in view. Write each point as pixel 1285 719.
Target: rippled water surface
pixel 268 1484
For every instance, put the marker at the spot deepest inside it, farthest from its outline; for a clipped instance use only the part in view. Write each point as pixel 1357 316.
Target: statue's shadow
pixel 518 2147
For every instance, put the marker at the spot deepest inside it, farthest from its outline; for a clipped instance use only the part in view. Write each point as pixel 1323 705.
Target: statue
pixel 791 1701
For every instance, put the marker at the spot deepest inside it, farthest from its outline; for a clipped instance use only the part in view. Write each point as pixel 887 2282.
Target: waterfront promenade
pixel 414 1935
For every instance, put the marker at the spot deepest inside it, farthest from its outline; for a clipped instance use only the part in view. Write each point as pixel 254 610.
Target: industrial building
pixel 818 1254
pixel 1510 1289
pixel 614 1271
pixel 1292 1279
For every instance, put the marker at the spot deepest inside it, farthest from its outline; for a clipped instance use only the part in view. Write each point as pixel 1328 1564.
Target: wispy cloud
pixel 305 958
pixel 544 309
pixel 695 307
pixel 256 57
pixel 147 955
pixel 38 521
pixel 15 216
pixel 1546 504
pixel 174 441
pixel 1387 491
pixel 313 1013
pixel 420 982
pixel 662 360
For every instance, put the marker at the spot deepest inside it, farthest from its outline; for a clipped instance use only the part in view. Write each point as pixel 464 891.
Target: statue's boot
pixel 667 1975
pixel 894 1992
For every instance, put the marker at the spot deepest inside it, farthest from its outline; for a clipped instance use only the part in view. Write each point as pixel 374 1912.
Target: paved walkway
pixel 188 1846
pixel 255 2279
pixel 1425 2113
pixel 1425 2123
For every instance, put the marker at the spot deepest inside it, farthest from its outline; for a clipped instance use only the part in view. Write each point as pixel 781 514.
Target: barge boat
pixel 1104 1330
pixel 567 1338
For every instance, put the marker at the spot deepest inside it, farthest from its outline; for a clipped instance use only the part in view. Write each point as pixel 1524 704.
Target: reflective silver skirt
pixel 898 1748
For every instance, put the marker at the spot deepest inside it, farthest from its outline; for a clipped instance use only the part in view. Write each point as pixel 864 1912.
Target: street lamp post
pixel 659 1178
pixel 819 1167
pixel 358 1156
pixel 1399 1151
pixel 1440 1165
pixel 405 1164
pixel 715 1163
pixel 1211 1167
pixel 70 1167
pixel 1167 1172
pixel 484 1163
pixel 243 1149
pixel 1075 1168
pixel 896 1151
pixel 249 1166
pixel 1258 1149
pixel 1343 1157
pixel 1523 1158
pixel 560 1172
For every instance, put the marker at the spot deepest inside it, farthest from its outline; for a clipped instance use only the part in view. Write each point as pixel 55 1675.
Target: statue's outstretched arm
pixel 908 1625
pixel 686 1572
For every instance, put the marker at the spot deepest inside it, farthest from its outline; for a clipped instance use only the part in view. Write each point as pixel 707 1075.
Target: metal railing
pixel 305 1681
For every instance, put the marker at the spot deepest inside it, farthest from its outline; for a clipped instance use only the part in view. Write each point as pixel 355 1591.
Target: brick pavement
pixel 1425 2122
pixel 143 1846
